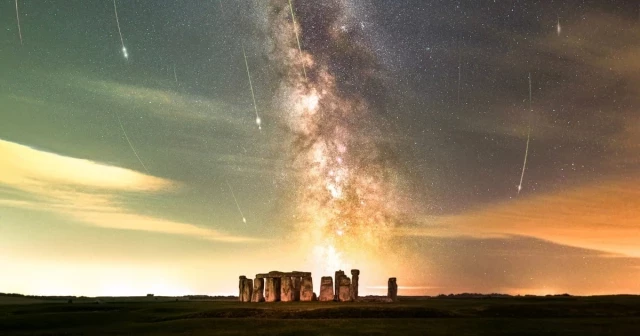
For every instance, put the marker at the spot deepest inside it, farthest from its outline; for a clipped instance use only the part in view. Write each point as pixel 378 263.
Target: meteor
pixel 459 75
pixel 124 49
pixel 255 106
pixel 244 220
pixel 18 18
pixel 558 27
pixel 293 18
pixel 526 152
pixel 129 141
pixel 174 73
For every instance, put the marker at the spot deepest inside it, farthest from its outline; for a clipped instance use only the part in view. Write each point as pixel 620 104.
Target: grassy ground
pixel 619 315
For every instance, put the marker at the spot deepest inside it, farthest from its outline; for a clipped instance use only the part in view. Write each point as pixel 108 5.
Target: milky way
pixel 345 198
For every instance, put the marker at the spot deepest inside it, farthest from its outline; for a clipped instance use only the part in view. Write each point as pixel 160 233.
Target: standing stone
pixel 326 289
pixel 296 288
pixel 272 290
pixel 339 274
pixel 392 291
pixel 240 287
pixel 306 289
pixel 287 290
pixel 355 276
pixel 344 293
pixel 258 290
pixel 247 290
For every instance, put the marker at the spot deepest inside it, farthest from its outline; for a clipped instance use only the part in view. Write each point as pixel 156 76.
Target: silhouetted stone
pixel 258 291
pixel 297 282
pixel 344 288
pixel 355 276
pixel 326 289
pixel 315 297
pixel 287 292
pixel 241 286
pixel 306 289
pixel 392 291
pixel 336 280
pixel 247 290
pixel 278 274
pixel 272 290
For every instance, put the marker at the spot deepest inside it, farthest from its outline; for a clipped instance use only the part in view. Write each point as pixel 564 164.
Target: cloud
pixel 29 169
pixel 87 191
pixel 601 215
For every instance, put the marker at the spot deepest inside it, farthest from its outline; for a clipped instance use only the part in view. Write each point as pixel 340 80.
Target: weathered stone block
pixel 278 274
pixel 258 290
pixel 272 290
pixel 355 276
pixel 247 290
pixel 287 293
pixel 344 293
pixel 336 279
pixel 392 291
pixel 240 287
pixel 306 289
pixel 326 289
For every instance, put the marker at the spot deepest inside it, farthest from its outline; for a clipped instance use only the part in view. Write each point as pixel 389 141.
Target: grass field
pixel 606 315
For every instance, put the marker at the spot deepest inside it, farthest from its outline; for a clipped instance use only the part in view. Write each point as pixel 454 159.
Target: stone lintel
pixel 276 274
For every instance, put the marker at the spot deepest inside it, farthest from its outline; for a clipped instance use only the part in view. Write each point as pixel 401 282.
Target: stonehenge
pixel 278 286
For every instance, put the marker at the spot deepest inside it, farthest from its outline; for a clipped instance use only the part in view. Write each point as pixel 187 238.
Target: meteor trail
pixel 124 49
pixel 129 141
pixel 526 152
pixel 459 75
pixel 255 107
pixel 174 73
pixel 558 27
pixel 18 18
pixel 244 220
pixel 293 17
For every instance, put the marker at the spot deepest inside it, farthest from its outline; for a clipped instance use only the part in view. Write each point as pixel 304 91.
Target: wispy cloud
pixel 603 216
pixel 87 192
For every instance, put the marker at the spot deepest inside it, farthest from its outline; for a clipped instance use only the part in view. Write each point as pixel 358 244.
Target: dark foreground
pixel 606 315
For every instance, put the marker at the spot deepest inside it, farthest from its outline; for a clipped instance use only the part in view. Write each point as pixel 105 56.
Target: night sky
pixel 392 137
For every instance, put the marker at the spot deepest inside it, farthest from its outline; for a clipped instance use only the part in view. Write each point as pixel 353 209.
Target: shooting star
pixel 244 220
pixel 295 30
pixel 255 107
pixel 129 141
pixel 174 73
pixel 526 152
pixel 18 19
pixel 124 49
pixel 459 75
pixel 558 27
